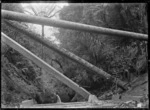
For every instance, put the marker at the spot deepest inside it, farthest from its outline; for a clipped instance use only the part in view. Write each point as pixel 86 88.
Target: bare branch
pixel 54 14
pixel 28 12
pixel 33 9
pixel 52 9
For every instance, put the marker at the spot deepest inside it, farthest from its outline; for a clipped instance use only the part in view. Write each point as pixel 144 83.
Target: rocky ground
pixel 136 97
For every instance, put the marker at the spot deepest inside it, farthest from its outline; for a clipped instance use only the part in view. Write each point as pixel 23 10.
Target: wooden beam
pixel 45 66
pixel 65 53
pixel 73 105
pixel 70 25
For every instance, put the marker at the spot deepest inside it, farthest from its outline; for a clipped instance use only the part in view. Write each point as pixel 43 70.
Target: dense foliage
pixel 124 58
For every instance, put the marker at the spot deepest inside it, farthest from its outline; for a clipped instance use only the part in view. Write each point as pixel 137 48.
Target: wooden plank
pixel 45 66
pixel 66 53
pixel 70 25
pixel 73 105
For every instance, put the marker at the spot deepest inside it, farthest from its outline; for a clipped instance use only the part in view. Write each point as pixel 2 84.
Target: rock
pixel 45 98
pixel 58 99
pixel 116 97
pixel 27 103
pixel 93 99
pixel 3 106
pixel 139 105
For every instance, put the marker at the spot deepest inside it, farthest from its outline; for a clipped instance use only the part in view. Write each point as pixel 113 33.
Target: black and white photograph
pixel 74 55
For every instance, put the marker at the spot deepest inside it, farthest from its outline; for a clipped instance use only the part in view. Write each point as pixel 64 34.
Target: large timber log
pixel 65 53
pixel 70 25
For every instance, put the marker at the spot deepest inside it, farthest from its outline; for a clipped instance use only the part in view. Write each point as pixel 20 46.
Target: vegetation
pixel 22 70
pixel 121 57
pixel 116 55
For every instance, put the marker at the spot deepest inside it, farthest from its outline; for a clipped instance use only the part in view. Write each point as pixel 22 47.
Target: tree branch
pixel 54 14
pixel 29 12
pixel 52 9
pixel 34 10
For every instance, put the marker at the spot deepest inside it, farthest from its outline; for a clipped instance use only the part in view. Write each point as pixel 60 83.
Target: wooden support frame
pixel 45 66
pixel 70 25
pixel 66 53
